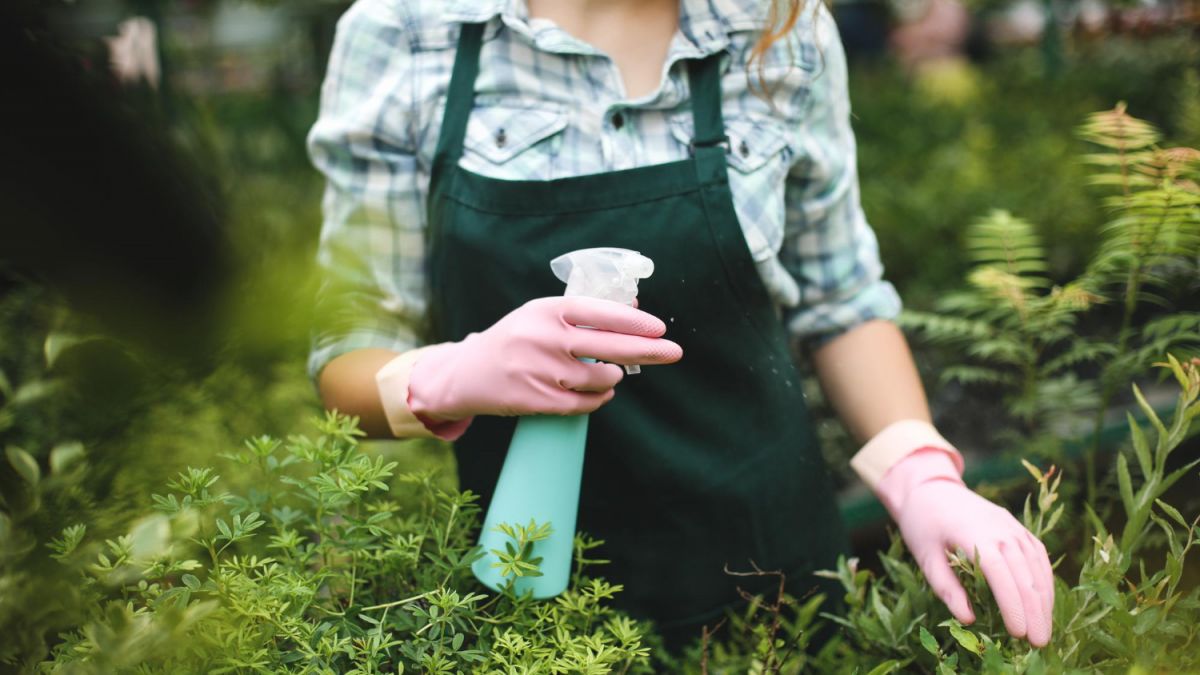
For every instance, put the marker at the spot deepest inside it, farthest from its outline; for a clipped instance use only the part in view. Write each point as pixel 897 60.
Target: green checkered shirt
pixel 551 106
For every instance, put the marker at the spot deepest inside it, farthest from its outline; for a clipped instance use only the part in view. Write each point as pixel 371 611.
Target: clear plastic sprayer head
pixel 605 273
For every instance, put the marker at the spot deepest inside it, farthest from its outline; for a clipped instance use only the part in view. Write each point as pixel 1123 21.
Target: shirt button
pixel 618 120
pixel 501 138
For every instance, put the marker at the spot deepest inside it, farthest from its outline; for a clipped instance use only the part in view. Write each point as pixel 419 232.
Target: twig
pixel 774 608
pixel 705 634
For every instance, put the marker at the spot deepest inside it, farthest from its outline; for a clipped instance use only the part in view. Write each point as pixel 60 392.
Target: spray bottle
pixel 543 470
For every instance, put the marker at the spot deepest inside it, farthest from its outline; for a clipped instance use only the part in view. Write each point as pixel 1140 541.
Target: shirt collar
pixel 706 23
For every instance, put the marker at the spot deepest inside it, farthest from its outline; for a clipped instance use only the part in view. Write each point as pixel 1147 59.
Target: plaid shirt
pixel 550 106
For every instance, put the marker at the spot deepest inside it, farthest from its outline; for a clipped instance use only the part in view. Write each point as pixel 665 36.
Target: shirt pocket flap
pixel 500 132
pixel 752 142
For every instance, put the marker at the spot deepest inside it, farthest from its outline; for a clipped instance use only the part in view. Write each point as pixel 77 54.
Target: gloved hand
pixel 936 511
pixel 528 361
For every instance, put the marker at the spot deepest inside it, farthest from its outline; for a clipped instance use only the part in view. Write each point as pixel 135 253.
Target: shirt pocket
pixel 514 141
pixel 759 154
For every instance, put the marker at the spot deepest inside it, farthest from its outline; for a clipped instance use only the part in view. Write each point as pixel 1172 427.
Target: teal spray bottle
pixel 543 469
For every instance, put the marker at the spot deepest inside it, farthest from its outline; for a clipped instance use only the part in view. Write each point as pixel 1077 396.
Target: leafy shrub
pixel 1119 611
pixel 930 162
pixel 318 569
pixel 1026 337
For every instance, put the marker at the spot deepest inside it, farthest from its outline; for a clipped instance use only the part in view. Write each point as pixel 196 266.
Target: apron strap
pixel 704 81
pixel 460 98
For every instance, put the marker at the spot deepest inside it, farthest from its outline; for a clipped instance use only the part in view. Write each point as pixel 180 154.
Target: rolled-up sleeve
pixel 371 251
pixel 829 248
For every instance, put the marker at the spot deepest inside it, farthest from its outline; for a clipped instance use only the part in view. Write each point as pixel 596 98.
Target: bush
pixel 319 568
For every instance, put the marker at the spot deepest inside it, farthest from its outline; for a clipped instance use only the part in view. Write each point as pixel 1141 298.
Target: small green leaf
pixel 1054 516
pixel 929 642
pixel 1107 592
pixel 1033 470
pixel 1150 413
pixel 57 342
pixel 964 637
pixel 1173 513
pixel 1177 369
pixel 191 581
pixel 1140 447
pixel 1176 475
pixel 889 666
pixel 31 392
pixel 1125 485
pixel 64 455
pixel 25 464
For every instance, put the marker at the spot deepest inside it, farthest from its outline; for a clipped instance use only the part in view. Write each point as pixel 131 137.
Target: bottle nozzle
pixel 605 273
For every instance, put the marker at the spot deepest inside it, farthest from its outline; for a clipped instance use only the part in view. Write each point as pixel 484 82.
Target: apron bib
pixel 693 467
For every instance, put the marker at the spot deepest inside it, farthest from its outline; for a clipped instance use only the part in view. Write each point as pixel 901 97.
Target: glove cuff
pixel 895 442
pixel 918 468
pixel 406 415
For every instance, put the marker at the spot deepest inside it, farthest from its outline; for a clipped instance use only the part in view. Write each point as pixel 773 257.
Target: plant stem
pixel 397 603
pixel 1132 288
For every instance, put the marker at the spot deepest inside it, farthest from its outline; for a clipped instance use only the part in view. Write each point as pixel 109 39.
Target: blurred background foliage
pixel 190 333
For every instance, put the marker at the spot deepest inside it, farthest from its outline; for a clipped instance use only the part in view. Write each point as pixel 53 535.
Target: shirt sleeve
pixel 829 248
pixel 371 251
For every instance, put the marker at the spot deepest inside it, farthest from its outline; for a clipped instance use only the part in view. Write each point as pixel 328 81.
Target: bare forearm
pixel 348 384
pixel 869 377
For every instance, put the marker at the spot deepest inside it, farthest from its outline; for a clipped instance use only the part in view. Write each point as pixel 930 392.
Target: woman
pixel 467 143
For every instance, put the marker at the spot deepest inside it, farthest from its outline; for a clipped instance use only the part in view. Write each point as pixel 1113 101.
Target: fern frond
pixel 1118 130
pixel 1156 212
pixel 1010 244
pixel 941 328
pixel 1075 297
pixel 977 375
pixel 974 304
pixel 1002 349
pixel 1078 353
pixel 1061 400
pixel 1000 285
pixel 1185 324
pixel 1067 394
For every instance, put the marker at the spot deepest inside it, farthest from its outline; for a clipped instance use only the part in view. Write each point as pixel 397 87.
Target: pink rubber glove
pixel 936 511
pixel 528 362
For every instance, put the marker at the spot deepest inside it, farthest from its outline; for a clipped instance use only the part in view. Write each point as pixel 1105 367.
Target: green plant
pixel 998 144
pixel 1121 612
pixel 1022 334
pixel 320 567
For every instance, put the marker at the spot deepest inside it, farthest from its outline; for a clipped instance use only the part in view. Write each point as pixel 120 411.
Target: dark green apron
pixel 708 463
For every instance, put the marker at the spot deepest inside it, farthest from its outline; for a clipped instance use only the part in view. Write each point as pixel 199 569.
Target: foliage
pixel 1119 612
pixel 319 569
pixel 933 156
pixel 1022 335
pixel 84 566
